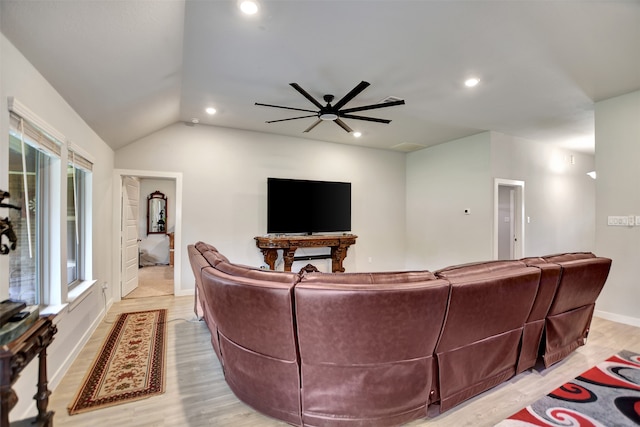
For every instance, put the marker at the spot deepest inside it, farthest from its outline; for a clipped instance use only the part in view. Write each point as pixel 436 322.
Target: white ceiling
pixel 130 68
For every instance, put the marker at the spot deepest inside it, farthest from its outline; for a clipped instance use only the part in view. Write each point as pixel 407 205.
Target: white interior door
pixel 508 241
pixel 130 202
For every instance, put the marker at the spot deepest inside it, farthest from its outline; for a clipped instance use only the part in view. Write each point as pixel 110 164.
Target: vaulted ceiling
pixel 130 68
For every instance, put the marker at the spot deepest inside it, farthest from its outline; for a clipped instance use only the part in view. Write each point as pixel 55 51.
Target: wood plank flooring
pixel 153 281
pixel 197 395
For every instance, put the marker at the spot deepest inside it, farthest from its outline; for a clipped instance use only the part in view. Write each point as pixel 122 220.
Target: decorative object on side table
pixel 6 229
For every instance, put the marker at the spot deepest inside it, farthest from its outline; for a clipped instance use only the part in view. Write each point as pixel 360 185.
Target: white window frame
pixel 79 159
pixel 54 290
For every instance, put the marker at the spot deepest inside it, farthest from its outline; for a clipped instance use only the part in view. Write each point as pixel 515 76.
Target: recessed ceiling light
pixel 249 7
pixel 211 111
pixel 471 82
pixel 357 134
pixel 195 121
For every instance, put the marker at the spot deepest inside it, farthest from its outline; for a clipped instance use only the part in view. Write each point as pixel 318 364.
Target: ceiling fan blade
pixel 374 106
pixel 292 118
pixel 286 108
pixel 343 125
pixel 316 123
pixel 304 93
pixel 370 119
pixel 348 97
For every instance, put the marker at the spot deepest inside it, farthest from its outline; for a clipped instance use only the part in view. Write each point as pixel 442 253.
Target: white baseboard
pixel 57 376
pixel 184 292
pixel 627 320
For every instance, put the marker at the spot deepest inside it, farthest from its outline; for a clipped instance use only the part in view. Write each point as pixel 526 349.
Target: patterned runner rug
pixel 130 365
pixel 606 395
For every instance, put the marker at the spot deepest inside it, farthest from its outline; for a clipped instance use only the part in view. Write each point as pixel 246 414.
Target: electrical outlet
pixel 618 221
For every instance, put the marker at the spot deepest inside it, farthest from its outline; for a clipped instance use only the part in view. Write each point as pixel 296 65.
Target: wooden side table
pixel 14 357
pixel 339 244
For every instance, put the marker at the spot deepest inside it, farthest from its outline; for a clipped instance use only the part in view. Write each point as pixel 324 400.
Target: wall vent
pixel 390 99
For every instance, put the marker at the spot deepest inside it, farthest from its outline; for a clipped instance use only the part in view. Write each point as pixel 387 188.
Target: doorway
pixel 158 257
pixel 508 221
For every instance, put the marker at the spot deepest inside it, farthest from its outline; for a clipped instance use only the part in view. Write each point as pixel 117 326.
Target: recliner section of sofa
pixel 582 278
pixel 366 346
pixel 480 339
pixel 253 311
pixel 376 349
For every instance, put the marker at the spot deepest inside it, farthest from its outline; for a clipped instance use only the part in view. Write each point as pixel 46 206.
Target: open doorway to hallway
pixel 157 255
pixel 155 248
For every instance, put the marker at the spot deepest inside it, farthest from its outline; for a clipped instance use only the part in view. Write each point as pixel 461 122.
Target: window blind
pixel 35 136
pixel 79 161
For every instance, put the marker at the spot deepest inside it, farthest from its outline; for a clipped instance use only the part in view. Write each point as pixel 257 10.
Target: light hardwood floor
pixel 197 395
pixel 153 281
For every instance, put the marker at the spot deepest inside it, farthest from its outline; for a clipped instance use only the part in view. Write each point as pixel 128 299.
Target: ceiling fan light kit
pixel 334 112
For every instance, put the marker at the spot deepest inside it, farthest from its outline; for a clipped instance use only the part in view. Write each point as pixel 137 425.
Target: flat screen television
pixel 302 206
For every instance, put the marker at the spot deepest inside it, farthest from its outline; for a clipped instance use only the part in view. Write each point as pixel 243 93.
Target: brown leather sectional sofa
pixel 377 349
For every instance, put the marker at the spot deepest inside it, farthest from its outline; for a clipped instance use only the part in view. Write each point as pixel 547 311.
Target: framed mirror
pixel 157 213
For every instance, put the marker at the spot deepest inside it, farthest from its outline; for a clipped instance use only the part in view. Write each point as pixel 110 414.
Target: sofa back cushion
pixel 204 247
pixel 366 350
pixel 257 273
pixel 480 342
pixel 570 256
pixel 581 281
pixel 487 304
pixel 197 262
pixel 387 277
pixel 486 267
pixel 213 257
pixel 254 314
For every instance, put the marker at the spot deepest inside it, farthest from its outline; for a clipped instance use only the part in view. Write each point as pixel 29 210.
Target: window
pixel 55 215
pixel 33 165
pixel 78 185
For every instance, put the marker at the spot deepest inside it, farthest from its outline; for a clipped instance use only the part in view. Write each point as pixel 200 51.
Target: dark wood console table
pixel 339 244
pixel 14 357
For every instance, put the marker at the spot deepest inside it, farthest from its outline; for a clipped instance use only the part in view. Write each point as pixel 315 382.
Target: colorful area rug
pixel 130 365
pixel 606 395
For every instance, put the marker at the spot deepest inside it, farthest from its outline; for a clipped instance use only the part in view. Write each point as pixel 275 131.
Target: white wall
pixel 155 247
pixel 225 175
pixel 559 195
pixel 443 181
pixel 618 193
pixel 75 324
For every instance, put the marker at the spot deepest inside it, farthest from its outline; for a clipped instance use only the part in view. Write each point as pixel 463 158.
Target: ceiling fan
pixel 334 112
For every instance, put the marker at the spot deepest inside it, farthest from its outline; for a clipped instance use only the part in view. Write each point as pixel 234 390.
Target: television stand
pixel 339 243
